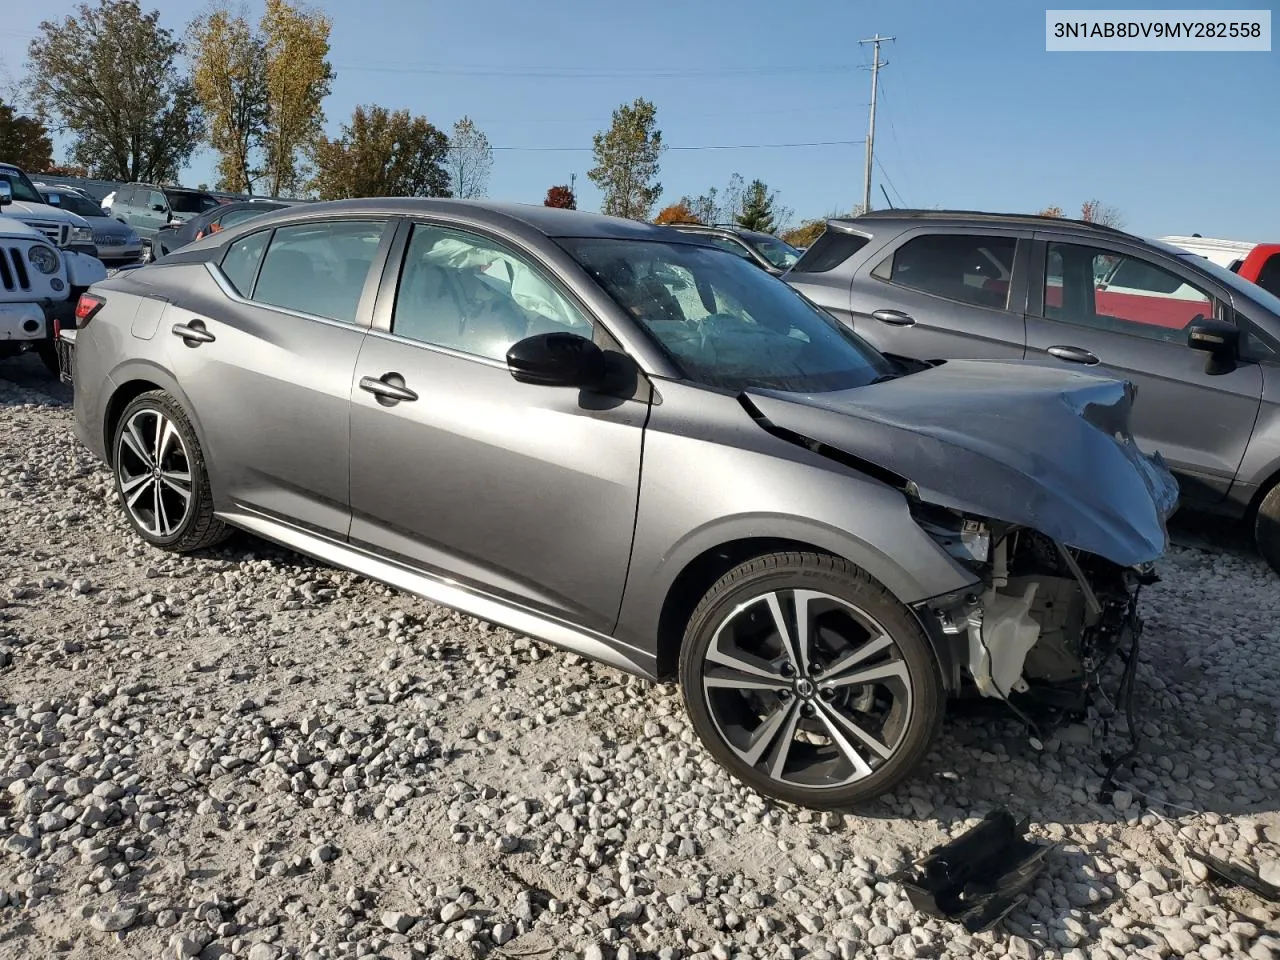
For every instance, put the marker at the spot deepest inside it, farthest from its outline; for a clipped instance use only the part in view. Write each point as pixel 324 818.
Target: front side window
pixel 471 294
pixel 971 269
pixel 733 246
pixel 319 268
pixel 1106 290
pixel 156 201
pixel 725 322
pixel 23 190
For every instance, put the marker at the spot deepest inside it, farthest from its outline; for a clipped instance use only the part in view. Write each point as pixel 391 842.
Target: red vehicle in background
pixel 1262 266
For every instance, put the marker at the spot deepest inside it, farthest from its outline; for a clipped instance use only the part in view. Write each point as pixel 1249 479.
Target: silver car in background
pixel 621 440
pixel 117 243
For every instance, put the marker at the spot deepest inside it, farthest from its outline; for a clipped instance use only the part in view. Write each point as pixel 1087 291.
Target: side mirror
pixel 557 360
pixel 6 193
pixel 158 207
pixel 1219 339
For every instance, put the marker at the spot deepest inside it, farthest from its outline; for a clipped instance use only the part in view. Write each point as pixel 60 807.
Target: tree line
pixel 137 100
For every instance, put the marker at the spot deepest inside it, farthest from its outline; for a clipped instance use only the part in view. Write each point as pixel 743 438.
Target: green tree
pixel 298 78
pixel 381 154
pixel 470 160
pixel 229 74
pixel 561 196
pixel 626 156
pixel 109 74
pixel 757 208
pixel 24 141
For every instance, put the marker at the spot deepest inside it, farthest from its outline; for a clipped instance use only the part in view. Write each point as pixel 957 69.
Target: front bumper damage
pixel 978 878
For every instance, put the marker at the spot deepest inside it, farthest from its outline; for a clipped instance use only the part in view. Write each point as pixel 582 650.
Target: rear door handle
pixel 895 317
pixel 1073 355
pixel 389 388
pixel 193 333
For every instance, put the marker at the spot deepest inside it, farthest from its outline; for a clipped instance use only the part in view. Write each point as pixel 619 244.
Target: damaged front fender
pixel 1029 445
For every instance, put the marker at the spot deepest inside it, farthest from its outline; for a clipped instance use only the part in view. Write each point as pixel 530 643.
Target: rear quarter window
pixel 829 251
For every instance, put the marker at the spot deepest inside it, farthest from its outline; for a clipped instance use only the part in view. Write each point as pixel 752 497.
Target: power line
pixel 487 70
pixel 884 173
pixel 716 146
pixel 669 118
pixel 893 132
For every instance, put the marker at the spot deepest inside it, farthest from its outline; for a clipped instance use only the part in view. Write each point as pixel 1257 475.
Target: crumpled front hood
pixel 1015 441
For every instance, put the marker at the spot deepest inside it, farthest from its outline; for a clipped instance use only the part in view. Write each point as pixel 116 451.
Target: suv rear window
pixel 830 250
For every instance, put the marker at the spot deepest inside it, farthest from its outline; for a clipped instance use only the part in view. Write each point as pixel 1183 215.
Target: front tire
pixel 161 477
pixel 1266 528
pixel 809 681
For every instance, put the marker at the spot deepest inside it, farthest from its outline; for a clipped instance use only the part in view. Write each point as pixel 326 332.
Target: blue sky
pixel 974 112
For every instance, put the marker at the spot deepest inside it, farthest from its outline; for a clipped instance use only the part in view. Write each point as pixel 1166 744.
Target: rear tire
pixel 827 724
pixel 1266 528
pixel 161 477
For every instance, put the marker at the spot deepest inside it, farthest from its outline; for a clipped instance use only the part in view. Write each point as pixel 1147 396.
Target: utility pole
pixel 876 64
pixel 573 179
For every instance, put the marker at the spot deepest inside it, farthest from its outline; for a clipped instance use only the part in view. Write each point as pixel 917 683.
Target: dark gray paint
pixel 566 515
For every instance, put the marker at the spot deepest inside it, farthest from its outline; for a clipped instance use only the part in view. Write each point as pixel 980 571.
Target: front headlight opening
pixel 81 235
pixel 965 538
pixel 43 259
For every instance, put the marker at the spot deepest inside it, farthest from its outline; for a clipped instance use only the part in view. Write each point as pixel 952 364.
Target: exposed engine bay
pixel 1047 619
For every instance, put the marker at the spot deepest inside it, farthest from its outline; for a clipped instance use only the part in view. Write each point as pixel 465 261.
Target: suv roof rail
pixel 1030 219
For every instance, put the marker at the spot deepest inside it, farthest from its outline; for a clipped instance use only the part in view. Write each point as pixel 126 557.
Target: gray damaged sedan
pixel 625 442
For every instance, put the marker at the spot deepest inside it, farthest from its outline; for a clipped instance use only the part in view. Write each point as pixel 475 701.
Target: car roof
pixel 550 221
pixel 904 218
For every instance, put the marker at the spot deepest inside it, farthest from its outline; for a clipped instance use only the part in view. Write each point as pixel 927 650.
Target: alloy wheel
pixel 153 469
pixel 807 689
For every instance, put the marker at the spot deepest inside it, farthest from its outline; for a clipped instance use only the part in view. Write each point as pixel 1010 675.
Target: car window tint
pixel 240 263
pixel 724 243
pixel 470 294
pixel 238 216
pixel 830 250
pixel 157 199
pixel 1097 288
pixel 971 269
pixel 319 268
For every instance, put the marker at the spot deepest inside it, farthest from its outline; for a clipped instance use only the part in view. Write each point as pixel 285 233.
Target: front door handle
pixel 895 317
pixel 193 334
pixel 389 389
pixel 1073 355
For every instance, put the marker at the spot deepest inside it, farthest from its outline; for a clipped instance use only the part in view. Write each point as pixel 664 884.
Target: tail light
pixel 57 328
pixel 87 308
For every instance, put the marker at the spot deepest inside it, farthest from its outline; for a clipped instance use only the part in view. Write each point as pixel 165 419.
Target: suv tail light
pixel 87 308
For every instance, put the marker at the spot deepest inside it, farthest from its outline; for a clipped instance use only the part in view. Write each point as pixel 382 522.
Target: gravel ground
pixel 248 754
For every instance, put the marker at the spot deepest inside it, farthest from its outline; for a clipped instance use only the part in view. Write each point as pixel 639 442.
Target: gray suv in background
pixel 1201 344
pixel 147 207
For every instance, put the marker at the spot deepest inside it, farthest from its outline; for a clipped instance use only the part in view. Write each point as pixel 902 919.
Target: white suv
pixel 39 284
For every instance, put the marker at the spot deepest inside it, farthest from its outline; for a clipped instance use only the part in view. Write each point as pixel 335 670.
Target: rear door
pixel 1121 310
pixel 945 293
pixel 268 364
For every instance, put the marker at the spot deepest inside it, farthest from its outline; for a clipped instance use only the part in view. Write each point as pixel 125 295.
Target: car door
pixel 525 492
pixel 155 213
pixel 267 365
pixel 1121 310
pixel 121 205
pixel 943 293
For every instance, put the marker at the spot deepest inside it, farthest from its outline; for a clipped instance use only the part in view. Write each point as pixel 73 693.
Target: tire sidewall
pixel 927 692
pixel 163 404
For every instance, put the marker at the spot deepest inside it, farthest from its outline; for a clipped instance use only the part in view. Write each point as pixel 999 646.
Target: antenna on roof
pixel 886 196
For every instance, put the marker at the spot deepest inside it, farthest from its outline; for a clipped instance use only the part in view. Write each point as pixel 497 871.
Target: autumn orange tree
pixel 676 213
pixel 561 196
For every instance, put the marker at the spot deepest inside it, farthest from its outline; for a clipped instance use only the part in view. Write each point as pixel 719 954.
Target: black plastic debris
pixel 1240 876
pixel 980 876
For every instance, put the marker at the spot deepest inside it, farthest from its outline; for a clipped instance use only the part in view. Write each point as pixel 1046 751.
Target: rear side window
pixel 319 268
pixel 970 269
pixel 829 251
pixel 124 197
pixel 240 264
